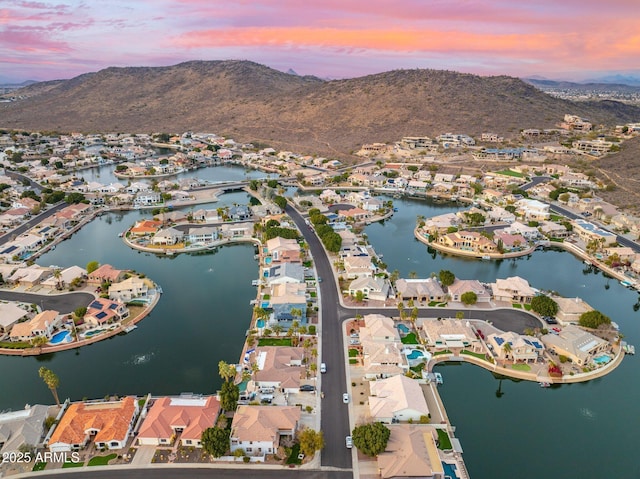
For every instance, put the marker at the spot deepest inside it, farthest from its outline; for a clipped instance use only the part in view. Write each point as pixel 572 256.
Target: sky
pixel 567 39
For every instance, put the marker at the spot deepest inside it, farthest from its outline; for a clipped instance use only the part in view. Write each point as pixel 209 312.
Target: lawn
pixel 510 173
pixel 101 460
pixel 418 368
pixel 293 457
pixel 353 353
pixel 14 345
pixel 410 339
pixel 556 218
pixel 353 361
pixel 477 355
pixel 39 466
pixel 444 442
pixel 521 367
pixel 446 351
pixel 72 464
pixel 517 306
pixel 527 307
pixel 274 342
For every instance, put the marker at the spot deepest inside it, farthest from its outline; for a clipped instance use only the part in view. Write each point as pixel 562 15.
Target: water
pixel 175 349
pixel 60 337
pixel 517 429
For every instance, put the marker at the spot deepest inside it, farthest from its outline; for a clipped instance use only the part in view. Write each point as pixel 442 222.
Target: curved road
pixel 193 473
pixel 64 303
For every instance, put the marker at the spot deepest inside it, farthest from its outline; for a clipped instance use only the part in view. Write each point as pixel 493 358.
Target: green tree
pixel 469 298
pixel 215 440
pixel 446 277
pixel 92 266
pixel 229 395
pixel 281 201
pixel 254 185
pixel 371 439
pixel 52 381
pixel 593 319
pixel 310 441
pixel 226 371
pixel 544 305
pixel 272 183
pixel 74 198
pixel 359 296
pixel 80 312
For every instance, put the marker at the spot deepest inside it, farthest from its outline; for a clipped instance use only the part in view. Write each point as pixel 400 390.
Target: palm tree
pixel 277 329
pixel 413 274
pixel 57 274
pixel 401 309
pixel 506 348
pixel 226 371
pixel 52 381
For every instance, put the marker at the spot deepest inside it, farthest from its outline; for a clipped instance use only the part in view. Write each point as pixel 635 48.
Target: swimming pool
pixel 603 359
pixel 61 337
pixel 264 304
pixel 93 332
pixel 415 354
pixel 260 323
pixel 267 260
pixel 450 471
pixel 403 329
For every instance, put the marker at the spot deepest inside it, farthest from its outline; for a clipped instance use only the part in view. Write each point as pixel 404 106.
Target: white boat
pixel 486 257
pixel 626 284
pixel 587 262
pixel 438 377
pixel 545 385
pixel 130 328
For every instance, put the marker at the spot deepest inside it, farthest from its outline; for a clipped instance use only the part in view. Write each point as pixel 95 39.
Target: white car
pixel 345 398
pixel 323 368
pixel 348 442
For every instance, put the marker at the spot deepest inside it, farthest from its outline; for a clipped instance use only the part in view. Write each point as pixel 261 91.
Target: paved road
pixel 64 303
pixel 195 473
pixel 536 180
pixel 31 223
pixel 20 177
pixel 334 414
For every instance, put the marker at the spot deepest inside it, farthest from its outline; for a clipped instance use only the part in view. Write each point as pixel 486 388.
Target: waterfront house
pixel 578 345
pixel 371 288
pixel 286 297
pixel 512 290
pixel 145 228
pixel 383 359
pixel 257 430
pixel 108 424
pixel 105 273
pixel 570 309
pixel 147 198
pixel 24 427
pixel 589 232
pixel 379 328
pixel 358 267
pixel 283 250
pixel 279 367
pixel 67 276
pixel 167 237
pixel 42 324
pixel 105 311
pixel 554 230
pixel 397 398
pixel 521 348
pixel 128 289
pixel 285 273
pixel 185 416
pixel 30 276
pixel 202 235
pixel 441 224
pixel 461 286
pixel 533 210
pixel 449 333
pixel 10 314
pixel 421 290
pixel 530 233
pixel 510 242
pixel 356 214
pixel 468 241
pixel 239 213
pixel 411 451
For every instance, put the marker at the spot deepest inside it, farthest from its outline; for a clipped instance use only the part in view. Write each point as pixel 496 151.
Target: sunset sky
pixel 568 39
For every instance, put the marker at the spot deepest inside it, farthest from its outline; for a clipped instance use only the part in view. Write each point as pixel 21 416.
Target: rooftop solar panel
pixel 101 315
pixel 96 305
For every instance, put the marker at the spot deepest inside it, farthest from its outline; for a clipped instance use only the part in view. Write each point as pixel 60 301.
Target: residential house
pixel 257 430
pixel 283 250
pixel 450 333
pixel 512 290
pixel 285 273
pixel 285 298
pixel 381 348
pixel 22 428
pixel 330 197
pixel 42 324
pixel 578 345
pixel 106 273
pixel 590 232
pixel 411 451
pixel 461 286
pixel 66 277
pixel 167 237
pixel 185 416
pixel 442 223
pixel 358 267
pixel 509 242
pixel 533 210
pixel 239 213
pixel 105 311
pixel 108 424
pixel 356 214
pixel 279 367
pixel 128 289
pixel 147 198
pixel 203 235
pixel 468 241
pixel 30 276
pixel 421 290
pixel 554 230
pixel 395 399
pixel 520 348
pixel 145 227
pixel 570 310
pixel 530 233
pixel 379 328
pixel 372 288
pixel 10 314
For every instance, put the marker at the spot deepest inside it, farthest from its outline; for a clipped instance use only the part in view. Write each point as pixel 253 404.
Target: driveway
pixel 63 303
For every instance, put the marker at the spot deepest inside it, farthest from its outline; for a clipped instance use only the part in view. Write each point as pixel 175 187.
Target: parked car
pixel 323 368
pixel 307 387
pixel 348 442
pixel 345 398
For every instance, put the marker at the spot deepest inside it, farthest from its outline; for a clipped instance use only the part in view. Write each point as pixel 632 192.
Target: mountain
pixel 618 79
pixel 592 87
pixel 251 102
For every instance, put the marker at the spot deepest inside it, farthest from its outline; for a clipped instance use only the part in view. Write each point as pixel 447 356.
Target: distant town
pixel 334 329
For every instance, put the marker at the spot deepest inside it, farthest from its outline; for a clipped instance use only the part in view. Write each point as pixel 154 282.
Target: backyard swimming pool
pixel 93 332
pixel 61 337
pixel 603 359
pixel 260 323
pixel 415 354
pixel 403 329
pixel 450 471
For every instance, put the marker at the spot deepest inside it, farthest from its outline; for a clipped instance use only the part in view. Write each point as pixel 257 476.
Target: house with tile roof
pixel 358 267
pixel 105 311
pixel 128 289
pixel 578 345
pixel 257 430
pixel 279 367
pixel 10 314
pixel 184 416
pixel 445 334
pixel 283 249
pixel 372 288
pixel 461 286
pixel 42 324
pixel 512 290
pixel 397 398
pixel 22 428
pixel 423 290
pixel 108 424
pixel 412 451
pixel 520 348
pixel 107 273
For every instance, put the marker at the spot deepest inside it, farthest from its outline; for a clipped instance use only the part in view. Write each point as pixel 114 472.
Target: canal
pixel 517 429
